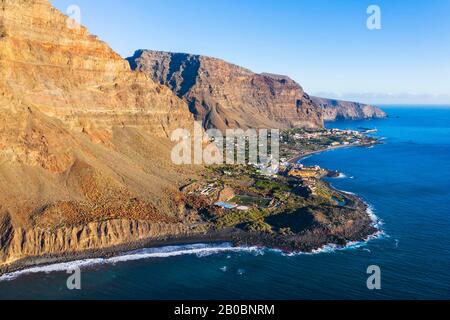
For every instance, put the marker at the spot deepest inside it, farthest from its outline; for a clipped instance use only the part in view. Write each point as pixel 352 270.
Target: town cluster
pixel 262 188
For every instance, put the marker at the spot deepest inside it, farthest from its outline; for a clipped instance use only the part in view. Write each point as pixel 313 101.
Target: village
pixel 243 196
pixel 297 143
pixel 246 195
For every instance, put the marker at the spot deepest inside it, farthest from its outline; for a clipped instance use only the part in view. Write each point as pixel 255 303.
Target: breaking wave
pixel 331 248
pixel 200 250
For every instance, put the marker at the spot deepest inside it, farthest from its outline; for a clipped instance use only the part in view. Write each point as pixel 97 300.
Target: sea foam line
pixel 331 248
pixel 200 250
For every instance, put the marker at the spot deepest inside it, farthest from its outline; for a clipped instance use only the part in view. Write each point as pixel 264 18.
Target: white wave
pixel 304 158
pixel 376 221
pixel 200 250
pixel 241 272
pixel 59 267
pixel 328 248
pixel 341 176
pixel 331 248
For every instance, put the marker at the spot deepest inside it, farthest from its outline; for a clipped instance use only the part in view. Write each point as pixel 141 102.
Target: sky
pixel 325 45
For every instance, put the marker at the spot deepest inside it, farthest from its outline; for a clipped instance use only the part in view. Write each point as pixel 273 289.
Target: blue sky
pixel 322 44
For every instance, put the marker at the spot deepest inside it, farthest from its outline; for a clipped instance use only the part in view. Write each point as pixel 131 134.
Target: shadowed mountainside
pixel 223 95
pixel 84 148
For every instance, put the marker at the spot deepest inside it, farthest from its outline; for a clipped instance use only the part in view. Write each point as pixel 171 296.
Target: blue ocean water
pixel 406 180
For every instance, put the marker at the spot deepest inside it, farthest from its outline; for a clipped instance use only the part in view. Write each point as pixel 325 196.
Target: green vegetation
pixel 234 218
pixel 269 197
pixel 245 200
pixel 259 226
pixel 271 185
pixel 329 195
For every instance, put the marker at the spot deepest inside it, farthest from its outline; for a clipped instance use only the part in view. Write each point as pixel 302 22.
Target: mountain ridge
pixel 224 95
pixel 273 100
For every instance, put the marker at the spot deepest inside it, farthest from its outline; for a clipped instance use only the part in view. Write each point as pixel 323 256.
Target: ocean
pixel 406 181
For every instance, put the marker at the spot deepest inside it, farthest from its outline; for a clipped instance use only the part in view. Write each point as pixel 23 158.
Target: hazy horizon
pixel 324 45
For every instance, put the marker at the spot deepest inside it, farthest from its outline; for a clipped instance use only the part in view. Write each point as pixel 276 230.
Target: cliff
pixel 84 148
pixel 338 109
pixel 223 95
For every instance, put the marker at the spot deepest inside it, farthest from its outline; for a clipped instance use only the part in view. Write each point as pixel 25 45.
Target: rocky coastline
pixel 86 168
pixel 357 229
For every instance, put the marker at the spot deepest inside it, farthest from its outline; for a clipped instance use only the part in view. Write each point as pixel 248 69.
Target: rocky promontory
pixel 346 110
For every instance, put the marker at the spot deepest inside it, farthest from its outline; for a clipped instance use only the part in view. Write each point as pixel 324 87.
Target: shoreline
pixel 296 159
pixel 218 245
pixel 31 262
pixel 238 238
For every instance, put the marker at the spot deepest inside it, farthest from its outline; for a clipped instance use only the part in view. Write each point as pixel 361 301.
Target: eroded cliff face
pixel 223 95
pixel 83 140
pixel 65 72
pixel 33 243
pixel 338 109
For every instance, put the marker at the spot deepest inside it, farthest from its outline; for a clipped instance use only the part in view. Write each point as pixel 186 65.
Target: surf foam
pixel 200 250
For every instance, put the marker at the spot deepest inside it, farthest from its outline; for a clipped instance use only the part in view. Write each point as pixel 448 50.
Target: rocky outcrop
pixel 223 95
pixel 345 110
pixel 83 139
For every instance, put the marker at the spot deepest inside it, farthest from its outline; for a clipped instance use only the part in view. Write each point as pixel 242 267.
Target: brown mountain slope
pixel 338 109
pixel 84 154
pixel 223 95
